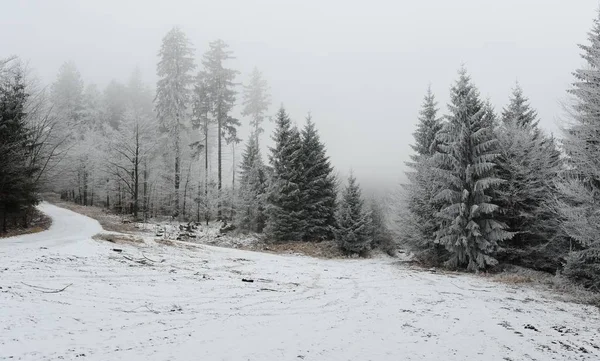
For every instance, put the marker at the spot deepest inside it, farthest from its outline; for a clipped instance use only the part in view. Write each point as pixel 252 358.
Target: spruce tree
pixel 519 112
pixel 464 167
pixel 427 128
pixel 173 95
pixel 67 96
pixel 201 120
pixel 17 185
pixel 253 185
pixel 319 188
pixel 285 210
pixel 256 101
pixel 580 186
pixel 380 233
pixel 529 163
pixel 115 98
pixel 220 90
pixel 354 232
pixel 419 224
pixel 489 119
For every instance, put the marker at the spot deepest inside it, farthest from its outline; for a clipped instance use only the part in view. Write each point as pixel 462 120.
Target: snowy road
pixel 194 306
pixel 67 227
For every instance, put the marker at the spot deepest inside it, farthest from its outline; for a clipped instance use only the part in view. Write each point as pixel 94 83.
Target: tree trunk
pixel 233 181
pixel 206 210
pixel 25 223
pixel 120 200
pixel 145 194
pixel 136 173
pixel 219 184
pixel 4 221
pixel 185 188
pixel 92 193
pixel 177 173
pixel 85 186
pixel 79 176
pixel 198 202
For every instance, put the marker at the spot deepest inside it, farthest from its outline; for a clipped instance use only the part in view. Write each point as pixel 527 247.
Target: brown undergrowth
pixel 38 222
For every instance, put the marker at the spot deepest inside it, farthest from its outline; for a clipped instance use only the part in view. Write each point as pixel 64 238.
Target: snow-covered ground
pixel 158 302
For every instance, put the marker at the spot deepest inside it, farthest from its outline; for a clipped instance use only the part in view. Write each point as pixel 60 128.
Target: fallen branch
pixel 468 289
pixel 50 290
pixel 140 261
pixel 151 260
pixel 142 306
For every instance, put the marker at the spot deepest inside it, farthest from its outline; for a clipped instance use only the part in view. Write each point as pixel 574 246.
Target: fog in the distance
pixel 360 67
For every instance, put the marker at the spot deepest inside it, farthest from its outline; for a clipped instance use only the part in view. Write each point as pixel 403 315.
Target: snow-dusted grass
pixel 188 302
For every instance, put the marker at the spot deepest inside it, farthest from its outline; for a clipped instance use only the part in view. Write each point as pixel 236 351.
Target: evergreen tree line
pixel 487 188
pixel 295 197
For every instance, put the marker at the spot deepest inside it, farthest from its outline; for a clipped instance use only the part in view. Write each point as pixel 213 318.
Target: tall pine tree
pixel 67 96
pixel 220 90
pixel 253 185
pixel 529 163
pixel 201 120
pixel 256 101
pixel 419 224
pixel 285 209
pixel 427 128
pixel 581 184
pixel 319 186
pixel 17 184
pixel 173 92
pixel 380 233
pixel 464 167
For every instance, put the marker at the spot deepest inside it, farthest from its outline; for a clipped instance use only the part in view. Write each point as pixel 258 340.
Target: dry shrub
pixel 166 242
pixel 108 220
pixel 179 244
pixel 118 238
pixel 513 279
pixel 38 222
pixel 561 287
pixel 325 249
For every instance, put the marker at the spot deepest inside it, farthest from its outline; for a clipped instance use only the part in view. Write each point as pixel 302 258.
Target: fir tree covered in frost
pixel 18 189
pixel 256 101
pixel 354 232
pixel 464 167
pixel 529 164
pixel 319 188
pixel 579 207
pixel 285 209
pixel 67 96
pixel 202 120
pixel 220 90
pixel 380 234
pixel 253 185
pixel 173 96
pixel 418 225
pixel 519 112
pixel 427 128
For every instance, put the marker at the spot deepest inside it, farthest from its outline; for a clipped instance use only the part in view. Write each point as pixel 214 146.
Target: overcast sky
pixel 360 67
